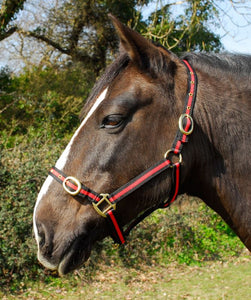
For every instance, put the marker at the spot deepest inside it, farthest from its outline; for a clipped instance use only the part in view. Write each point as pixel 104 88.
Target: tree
pixel 8 11
pixel 187 31
pixel 82 30
pixel 70 31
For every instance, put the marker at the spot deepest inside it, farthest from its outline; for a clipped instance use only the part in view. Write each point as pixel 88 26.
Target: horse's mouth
pixel 72 258
pixel 76 255
pixel 79 250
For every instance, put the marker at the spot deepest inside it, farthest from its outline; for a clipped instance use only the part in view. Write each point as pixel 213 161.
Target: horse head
pixel 128 123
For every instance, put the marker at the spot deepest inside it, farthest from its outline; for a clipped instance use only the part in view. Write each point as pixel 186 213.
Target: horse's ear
pixel 137 47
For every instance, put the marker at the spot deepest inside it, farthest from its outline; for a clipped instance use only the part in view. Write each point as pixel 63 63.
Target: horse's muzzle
pixel 64 254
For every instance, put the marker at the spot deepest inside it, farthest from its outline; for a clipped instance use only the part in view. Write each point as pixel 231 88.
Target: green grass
pixel 229 280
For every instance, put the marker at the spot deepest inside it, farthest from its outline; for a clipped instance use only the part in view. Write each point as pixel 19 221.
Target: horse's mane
pixel 110 73
pixel 238 65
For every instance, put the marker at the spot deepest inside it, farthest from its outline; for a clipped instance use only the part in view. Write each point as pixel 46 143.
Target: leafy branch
pixel 8 10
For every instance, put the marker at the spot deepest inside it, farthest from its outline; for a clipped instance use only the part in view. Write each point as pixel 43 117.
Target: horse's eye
pixel 112 121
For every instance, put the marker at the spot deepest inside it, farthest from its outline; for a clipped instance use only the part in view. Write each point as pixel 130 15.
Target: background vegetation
pixel 58 49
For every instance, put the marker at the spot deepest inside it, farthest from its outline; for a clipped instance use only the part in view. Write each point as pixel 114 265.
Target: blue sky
pixel 240 43
pixel 238 37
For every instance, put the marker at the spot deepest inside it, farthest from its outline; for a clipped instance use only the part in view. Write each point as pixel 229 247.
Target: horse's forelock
pixel 109 75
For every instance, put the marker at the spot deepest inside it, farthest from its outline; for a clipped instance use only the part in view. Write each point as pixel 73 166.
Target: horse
pixel 155 126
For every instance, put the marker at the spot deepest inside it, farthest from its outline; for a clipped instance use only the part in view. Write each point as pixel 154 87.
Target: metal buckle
pixel 105 198
pixel 76 182
pixel 172 151
pixel 181 128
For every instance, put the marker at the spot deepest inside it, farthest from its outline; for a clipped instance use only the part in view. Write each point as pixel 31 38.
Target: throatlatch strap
pixel 117 231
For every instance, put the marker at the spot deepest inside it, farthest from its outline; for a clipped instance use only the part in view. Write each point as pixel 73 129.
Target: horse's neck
pixel 221 175
pixel 223 116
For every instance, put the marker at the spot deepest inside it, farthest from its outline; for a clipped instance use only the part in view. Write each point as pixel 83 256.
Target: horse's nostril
pixel 41 234
pixel 41 239
pixel 44 238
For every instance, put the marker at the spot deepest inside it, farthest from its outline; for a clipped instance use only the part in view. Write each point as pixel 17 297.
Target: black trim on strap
pixel 188 108
pixel 85 192
pixel 139 180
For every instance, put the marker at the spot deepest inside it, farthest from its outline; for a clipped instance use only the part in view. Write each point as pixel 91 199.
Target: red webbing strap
pixel 182 137
pixel 176 148
pixel 188 110
pixel 119 237
pixel 140 180
pixel 60 177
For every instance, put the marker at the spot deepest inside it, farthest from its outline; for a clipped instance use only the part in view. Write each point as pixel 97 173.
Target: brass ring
pixel 172 151
pixel 181 128
pixel 76 182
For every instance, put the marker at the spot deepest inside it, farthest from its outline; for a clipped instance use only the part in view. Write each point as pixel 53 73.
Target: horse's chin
pixel 75 256
pixel 73 260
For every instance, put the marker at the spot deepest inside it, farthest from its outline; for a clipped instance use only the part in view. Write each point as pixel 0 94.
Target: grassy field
pixel 228 280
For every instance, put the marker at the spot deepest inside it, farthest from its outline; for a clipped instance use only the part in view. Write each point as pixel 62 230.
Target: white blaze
pixel 64 157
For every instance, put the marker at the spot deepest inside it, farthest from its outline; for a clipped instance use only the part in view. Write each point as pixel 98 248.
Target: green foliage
pixel 22 171
pixel 8 87
pixel 190 235
pixel 37 108
pixel 188 31
pixel 42 96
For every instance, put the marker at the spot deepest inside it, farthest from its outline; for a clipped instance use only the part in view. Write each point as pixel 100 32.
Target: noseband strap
pixel 105 204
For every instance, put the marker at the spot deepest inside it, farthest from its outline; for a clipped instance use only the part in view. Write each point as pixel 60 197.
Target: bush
pixel 42 96
pixel 188 232
pixel 36 113
pixel 22 170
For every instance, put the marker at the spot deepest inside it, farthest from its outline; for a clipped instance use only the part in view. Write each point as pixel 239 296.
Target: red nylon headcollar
pixel 105 204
